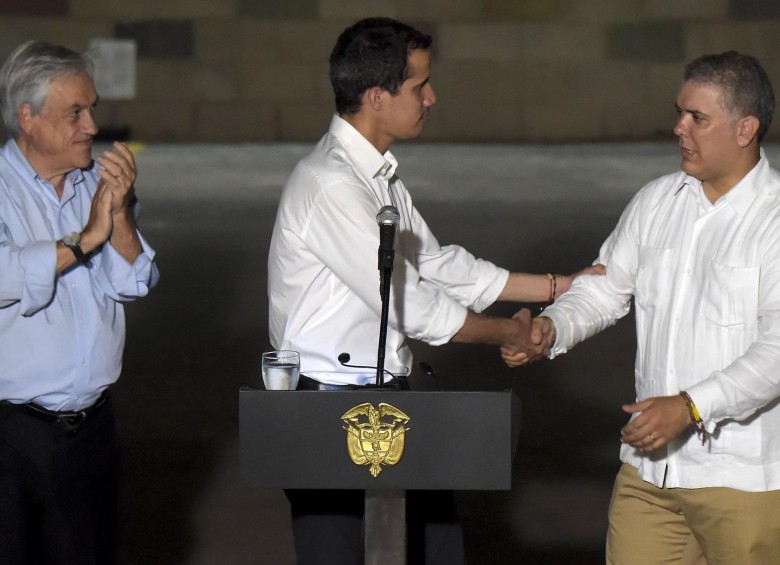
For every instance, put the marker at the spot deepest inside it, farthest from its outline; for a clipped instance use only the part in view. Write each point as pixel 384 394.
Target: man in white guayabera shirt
pixel 699 250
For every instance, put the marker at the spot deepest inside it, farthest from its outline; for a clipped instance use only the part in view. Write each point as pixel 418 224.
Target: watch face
pixel 72 238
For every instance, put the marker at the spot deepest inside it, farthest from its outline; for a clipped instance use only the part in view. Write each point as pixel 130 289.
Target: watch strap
pixel 81 258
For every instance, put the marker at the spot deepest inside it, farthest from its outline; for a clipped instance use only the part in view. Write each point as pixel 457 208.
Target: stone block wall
pixel 504 70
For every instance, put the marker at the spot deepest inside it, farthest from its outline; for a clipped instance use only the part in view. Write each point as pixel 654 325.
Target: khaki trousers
pixel 706 526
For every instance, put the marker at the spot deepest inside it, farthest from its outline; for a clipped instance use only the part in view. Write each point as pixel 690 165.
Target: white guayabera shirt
pixel 706 282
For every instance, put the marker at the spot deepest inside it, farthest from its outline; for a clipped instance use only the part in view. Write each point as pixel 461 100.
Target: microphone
pixel 344 360
pixel 387 218
pixel 426 368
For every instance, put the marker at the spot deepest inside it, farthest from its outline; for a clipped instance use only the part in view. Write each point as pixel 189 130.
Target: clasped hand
pixel 113 196
pixel 534 345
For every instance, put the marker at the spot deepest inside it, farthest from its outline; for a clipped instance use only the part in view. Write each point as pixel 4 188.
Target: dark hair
pixel 372 52
pixel 746 88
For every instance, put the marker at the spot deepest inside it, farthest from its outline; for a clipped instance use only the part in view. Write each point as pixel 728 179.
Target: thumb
pixel 636 406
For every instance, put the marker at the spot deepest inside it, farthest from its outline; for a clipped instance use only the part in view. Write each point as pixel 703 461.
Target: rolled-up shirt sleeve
pixel 28 275
pixel 124 281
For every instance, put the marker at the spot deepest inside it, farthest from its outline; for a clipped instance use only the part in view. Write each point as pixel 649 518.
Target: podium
pixel 383 441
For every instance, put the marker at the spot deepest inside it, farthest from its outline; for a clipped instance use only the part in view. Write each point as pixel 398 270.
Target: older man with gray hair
pixel 70 255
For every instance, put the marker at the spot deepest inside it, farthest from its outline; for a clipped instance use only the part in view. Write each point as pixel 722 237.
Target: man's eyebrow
pixel 697 112
pixel 77 106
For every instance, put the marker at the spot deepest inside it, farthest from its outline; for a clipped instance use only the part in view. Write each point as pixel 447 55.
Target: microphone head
pixel 387 216
pixel 344 358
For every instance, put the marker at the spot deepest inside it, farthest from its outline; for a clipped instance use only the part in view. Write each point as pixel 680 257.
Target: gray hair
pixel 27 74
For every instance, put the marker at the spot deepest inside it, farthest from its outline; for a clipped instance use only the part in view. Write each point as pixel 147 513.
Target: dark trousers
pixel 58 488
pixel 328 527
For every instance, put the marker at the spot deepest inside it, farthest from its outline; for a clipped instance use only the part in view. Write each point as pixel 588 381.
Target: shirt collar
pixel 370 161
pixel 19 162
pixel 742 194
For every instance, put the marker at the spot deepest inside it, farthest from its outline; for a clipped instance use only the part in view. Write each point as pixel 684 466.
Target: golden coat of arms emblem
pixel 375 436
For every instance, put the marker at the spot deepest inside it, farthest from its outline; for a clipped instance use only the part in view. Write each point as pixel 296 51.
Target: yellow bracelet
pixel 696 420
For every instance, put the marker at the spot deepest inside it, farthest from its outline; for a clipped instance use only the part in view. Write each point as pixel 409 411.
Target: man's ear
pixel 375 97
pixel 747 128
pixel 25 116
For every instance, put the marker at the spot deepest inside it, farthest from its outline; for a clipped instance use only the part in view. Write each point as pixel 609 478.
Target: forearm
pixel 65 258
pixel 527 287
pixel 748 384
pixel 585 311
pixel 489 330
pixel 124 237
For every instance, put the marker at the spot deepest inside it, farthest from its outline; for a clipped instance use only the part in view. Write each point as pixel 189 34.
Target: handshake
pixel 531 340
pixel 527 340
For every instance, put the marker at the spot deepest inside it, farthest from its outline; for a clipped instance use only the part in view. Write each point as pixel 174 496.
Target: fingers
pixel 542 332
pixel 660 420
pixel 597 269
pixel 119 168
pixel 637 406
pixel 100 223
pixel 514 360
pixel 524 315
pixel 118 172
pixel 646 442
pixel 533 343
pixel 645 438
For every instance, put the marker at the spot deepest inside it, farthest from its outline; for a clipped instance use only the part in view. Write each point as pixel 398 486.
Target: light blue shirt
pixel 61 336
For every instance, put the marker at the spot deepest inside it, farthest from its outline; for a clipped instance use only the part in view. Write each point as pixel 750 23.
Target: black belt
pixel 69 420
pixel 307 383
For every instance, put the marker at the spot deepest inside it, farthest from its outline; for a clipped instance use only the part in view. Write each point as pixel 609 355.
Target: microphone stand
pixel 387 218
pixel 386 269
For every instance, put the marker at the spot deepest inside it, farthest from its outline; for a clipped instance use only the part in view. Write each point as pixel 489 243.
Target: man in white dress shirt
pixel 323 284
pixel 699 250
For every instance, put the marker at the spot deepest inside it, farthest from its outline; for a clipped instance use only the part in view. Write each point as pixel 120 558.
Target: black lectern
pixel 378 440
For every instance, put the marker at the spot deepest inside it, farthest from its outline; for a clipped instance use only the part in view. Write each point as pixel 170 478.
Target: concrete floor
pixel 209 210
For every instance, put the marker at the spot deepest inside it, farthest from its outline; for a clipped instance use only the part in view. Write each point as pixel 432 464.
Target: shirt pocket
pixel 653 276
pixel 730 294
pixel 738 440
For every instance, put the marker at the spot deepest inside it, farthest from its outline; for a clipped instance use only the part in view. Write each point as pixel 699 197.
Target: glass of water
pixel 281 369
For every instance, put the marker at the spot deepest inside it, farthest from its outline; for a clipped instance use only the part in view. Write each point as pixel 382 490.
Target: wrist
pixel 89 242
pixel 564 282
pixel 73 242
pixel 694 416
pixel 553 290
pixel 551 333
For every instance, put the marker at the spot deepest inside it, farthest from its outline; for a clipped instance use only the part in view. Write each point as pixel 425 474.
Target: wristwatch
pixel 71 241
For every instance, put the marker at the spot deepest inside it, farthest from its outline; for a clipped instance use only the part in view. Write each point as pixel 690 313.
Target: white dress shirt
pixel 323 280
pixel 706 283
